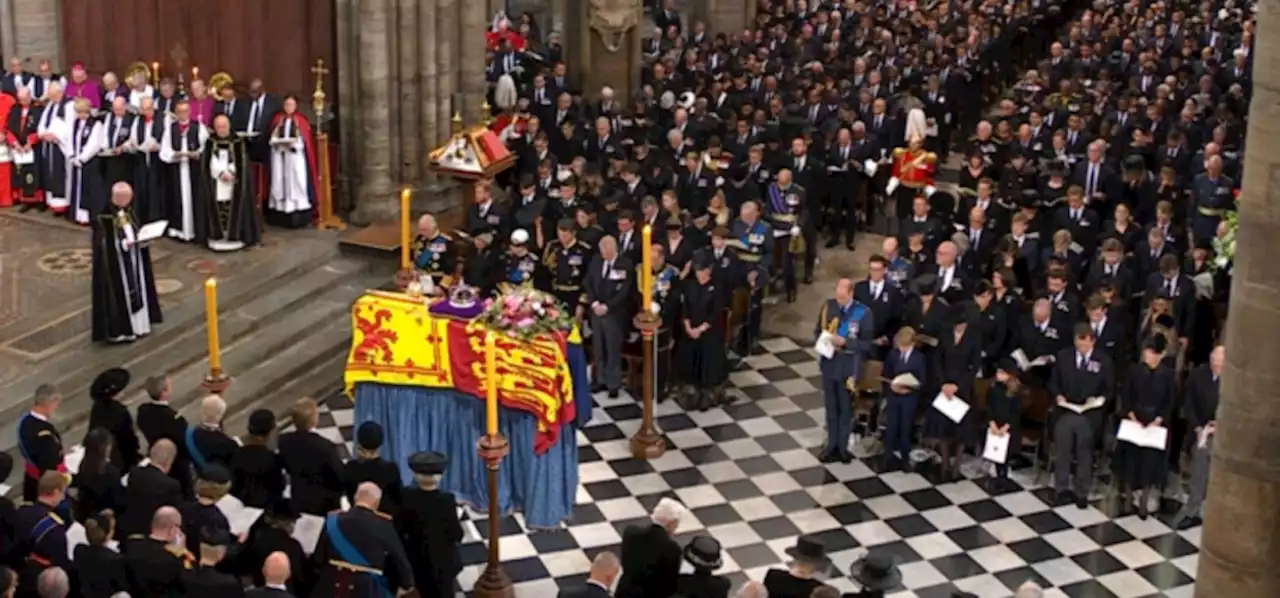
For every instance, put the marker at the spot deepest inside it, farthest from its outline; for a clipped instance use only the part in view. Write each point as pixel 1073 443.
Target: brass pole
pixel 647 443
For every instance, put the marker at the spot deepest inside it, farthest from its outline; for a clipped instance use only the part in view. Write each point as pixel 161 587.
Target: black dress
pixel 1148 394
pixel 100 571
pixel 956 362
pixel 701 362
pixel 99 490
pixel 1005 408
pixel 257 475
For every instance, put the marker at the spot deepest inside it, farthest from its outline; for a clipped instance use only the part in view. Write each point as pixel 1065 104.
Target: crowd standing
pixel 1069 286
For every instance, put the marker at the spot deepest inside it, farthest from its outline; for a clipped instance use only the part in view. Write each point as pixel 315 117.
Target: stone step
pixel 278 354
pixel 188 345
pixel 77 368
pixel 322 380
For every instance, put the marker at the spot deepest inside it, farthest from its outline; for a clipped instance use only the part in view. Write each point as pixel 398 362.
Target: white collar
pixel 1086 356
pixel 596 583
pixel 39 416
pixel 1100 324
pixel 277 586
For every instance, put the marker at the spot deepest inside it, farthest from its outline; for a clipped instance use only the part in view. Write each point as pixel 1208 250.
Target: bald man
pixel 125 305
pixel 155 561
pixel 275 575
pixel 359 554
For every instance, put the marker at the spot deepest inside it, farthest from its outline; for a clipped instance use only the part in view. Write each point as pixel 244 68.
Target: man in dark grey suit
pixel 608 285
pixel 604 570
pixel 850 328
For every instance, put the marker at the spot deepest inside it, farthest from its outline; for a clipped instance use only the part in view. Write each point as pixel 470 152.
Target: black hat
pixel 1009 365
pixel 703 552
pixel 215 473
pixel 876 571
pixel 428 463
pixel 1029 198
pixel 1156 343
pixel 369 436
pixel 213 536
pixel 565 224
pixel 1134 163
pixel 704 261
pixel 262 422
pixel 1055 168
pixel 1205 244
pixel 109 383
pixel 925 284
pixel 1165 321
pixel 810 550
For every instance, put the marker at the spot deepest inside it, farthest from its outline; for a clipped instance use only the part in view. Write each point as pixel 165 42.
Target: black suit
pixel 267 593
pixel 650 562
pixel 1077 379
pixel 886 310
pixel 148 490
pixel 315 472
pixel 586 590
pixel 613 290
pixel 1183 300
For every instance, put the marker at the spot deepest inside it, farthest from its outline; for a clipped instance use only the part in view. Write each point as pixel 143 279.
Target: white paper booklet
pixel 996 448
pixel 152 231
pixel 954 408
pixel 1089 404
pixel 1132 432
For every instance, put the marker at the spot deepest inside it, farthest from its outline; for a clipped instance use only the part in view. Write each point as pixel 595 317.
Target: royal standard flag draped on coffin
pixel 395 340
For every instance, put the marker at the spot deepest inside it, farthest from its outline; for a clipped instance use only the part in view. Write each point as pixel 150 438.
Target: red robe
pixel 517 41
pixel 6 165
pixel 313 174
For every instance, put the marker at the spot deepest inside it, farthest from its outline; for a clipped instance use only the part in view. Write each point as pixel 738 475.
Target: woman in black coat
pixel 1148 400
pixel 100 568
pixel 1004 417
pixel 98 482
pixel 956 363
pixel 111 415
pixel 703 552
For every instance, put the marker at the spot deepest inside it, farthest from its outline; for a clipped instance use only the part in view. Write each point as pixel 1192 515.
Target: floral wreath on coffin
pixel 524 313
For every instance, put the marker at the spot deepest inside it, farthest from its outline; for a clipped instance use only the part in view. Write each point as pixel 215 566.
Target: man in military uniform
pixel 429 528
pixel 40 533
pixel 518 266
pixel 155 562
pixel 205 580
pixel 359 554
pixel 39 441
pixel 850 328
pixel 433 254
pixel 565 260
pixel 912 174
pixel 1213 195
pixel 665 302
pixel 786 209
pixel 753 239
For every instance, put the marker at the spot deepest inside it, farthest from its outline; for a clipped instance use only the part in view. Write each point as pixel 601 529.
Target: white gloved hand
pixel 892 185
pixel 929 190
pixel 795 230
pixel 655 308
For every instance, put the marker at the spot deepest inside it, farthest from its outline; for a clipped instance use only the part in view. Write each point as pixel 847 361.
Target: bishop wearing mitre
pixel 226 190
pixel 293 168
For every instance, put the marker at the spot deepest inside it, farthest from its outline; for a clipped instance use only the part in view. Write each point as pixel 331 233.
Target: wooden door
pixel 277 40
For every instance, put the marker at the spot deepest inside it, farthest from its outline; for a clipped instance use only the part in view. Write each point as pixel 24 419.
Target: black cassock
pixel 51 164
pixel 702 360
pixel 85 190
pixel 125 305
pixel 232 219
pixel 149 172
pixel 116 133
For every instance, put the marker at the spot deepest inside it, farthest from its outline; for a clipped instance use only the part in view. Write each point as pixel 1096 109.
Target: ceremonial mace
pixel 326 220
pixel 493 446
pixel 216 381
pixel 647 443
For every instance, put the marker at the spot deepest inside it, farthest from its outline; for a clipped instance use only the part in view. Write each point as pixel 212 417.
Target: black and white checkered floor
pixel 750 477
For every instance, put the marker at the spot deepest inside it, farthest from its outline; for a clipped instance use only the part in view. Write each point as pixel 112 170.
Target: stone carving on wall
pixel 613 19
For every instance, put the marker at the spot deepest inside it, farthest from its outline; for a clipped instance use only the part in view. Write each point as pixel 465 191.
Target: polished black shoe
pixel 850 246
pixel 1188 523
pixel 1082 502
pixel 827 457
pixel 832 243
pixel 597 388
pixel 808 279
pixel 1062 499
pixel 613 394
pixel 791 296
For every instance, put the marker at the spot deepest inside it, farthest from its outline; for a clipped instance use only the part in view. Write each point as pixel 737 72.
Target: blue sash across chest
pixel 347 552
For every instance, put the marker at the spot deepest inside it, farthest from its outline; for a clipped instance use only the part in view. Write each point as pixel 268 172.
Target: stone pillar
pixel 378 201
pixel 557 21
pixel 1238 549
pixel 428 73
pixel 471 58
pixel 8 43
pixel 611 57
pixel 348 90
pixel 727 16
pixel 407 43
pixel 447 25
pixel 38 30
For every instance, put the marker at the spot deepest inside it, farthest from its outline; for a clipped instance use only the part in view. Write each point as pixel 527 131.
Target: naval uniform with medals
pixel 435 257
pixel 754 243
pixel 41 537
pixel 359 555
pixel 787 215
pixel 516 268
pixel 567 268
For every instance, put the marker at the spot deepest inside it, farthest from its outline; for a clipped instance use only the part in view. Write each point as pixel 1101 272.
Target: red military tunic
pixel 914 168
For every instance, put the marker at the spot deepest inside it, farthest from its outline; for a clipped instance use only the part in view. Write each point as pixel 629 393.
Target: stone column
pixel 348 98
pixel 407 41
pixel 727 16
pixel 377 193
pixel 557 21
pixel 1239 552
pixel 447 25
pixel 8 43
pixel 38 30
pixel 471 59
pixel 607 58
pixel 428 72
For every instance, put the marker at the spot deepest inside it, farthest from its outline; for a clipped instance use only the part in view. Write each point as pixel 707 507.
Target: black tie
pixel 1080 363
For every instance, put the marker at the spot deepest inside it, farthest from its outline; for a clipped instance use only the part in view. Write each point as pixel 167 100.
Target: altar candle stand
pixel 217 380
pixel 647 443
pixel 404 276
pixel 493 446
pixel 326 219
pixel 155 73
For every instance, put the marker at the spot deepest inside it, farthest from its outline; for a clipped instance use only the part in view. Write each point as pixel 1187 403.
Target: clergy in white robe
pixel 183 141
pixel 139 90
pixel 51 164
pixel 150 174
pixel 125 305
pixel 82 138
pixel 226 190
pixel 293 168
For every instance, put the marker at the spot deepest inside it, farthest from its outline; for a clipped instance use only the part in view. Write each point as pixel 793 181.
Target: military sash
pixel 348 554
